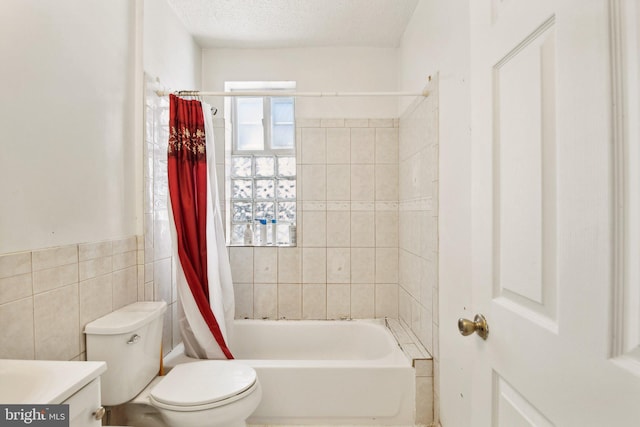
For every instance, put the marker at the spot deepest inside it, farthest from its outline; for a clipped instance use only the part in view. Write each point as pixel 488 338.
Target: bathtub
pixel 324 372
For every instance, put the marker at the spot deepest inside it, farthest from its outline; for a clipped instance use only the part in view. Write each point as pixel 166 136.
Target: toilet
pixel 208 393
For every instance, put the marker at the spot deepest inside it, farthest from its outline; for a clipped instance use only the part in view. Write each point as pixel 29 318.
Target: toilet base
pixel 140 412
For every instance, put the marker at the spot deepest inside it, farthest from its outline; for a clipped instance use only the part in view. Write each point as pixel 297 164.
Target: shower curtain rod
pixel 278 93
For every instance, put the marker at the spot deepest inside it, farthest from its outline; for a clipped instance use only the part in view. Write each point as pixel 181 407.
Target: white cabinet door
pixel 553 216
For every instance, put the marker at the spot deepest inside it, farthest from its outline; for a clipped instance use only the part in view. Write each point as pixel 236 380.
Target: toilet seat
pixel 203 385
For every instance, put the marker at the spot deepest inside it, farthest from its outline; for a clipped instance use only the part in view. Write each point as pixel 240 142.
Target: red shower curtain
pixel 187 165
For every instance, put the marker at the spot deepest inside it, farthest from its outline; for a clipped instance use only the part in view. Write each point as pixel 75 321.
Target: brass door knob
pixel 479 325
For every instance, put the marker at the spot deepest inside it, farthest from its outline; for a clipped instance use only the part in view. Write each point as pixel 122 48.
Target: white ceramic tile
pixel 386 182
pixel 338 229
pixel 332 123
pixel 404 306
pixel 56 330
pixel 338 265
pixel 338 301
pixel 363 301
pixel 265 301
pixel 314 182
pixel 16 339
pixel 409 272
pixel 52 278
pixel 314 229
pixel 95 267
pixel 15 264
pixel 175 320
pixel 386 300
pixel 149 291
pixel 290 301
pixel 96 298
pixel 15 287
pixel 338 146
pixel 338 182
pixel 161 235
pixel 356 123
pixel 243 295
pixel 381 123
pixel 241 260
pixel 167 333
pixel 161 281
pixel 87 251
pixel 124 260
pixel 426 291
pixel 265 265
pixel 307 123
pixel 424 400
pixel 386 229
pixel 314 301
pixel 54 257
pixel 387 146
pixel 140 291
pixel 386 265
pixel 289 265
pixel 363 229
pixel 363 146
pixel 314 265
pixel 127 244
pixel 314 146
pixel 362 183
pixel 125 286
pixel 424 367
pixel 362 265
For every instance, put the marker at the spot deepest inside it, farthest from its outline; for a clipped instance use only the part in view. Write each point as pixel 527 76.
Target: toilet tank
pixel 129 340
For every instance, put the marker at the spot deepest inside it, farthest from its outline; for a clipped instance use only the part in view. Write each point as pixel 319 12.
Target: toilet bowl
pixel 212 393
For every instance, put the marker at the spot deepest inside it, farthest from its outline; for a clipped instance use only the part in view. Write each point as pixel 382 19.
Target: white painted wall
pixel 67 159
pixel 348 69
pixel 437 41
pixel 170 53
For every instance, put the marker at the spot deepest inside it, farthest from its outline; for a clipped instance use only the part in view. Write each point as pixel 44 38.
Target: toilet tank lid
pixel 126 319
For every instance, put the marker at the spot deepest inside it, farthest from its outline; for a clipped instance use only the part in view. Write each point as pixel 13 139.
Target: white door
pixel 553 218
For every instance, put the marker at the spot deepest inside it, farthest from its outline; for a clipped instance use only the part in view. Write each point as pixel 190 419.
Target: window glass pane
pixel 249 110
pixel 249 123
pixel 250 137
pixel 283 136
pixel 265 189
pixel 241 166
pixel 241 189
pixel 265 166
pixel 287 211
pixel 286 189
pixel 282 110
pixel 242 212
pixel 286 166
pixel 265 210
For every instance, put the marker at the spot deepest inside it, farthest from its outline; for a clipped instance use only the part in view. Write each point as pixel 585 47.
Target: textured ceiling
pixel 295 23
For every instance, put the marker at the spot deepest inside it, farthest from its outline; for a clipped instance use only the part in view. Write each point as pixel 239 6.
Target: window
pixel 262 173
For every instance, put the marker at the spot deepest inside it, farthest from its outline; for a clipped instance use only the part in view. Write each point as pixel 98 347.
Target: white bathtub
pixel 325 372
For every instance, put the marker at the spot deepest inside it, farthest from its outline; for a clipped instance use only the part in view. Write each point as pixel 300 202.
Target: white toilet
pixel 208 393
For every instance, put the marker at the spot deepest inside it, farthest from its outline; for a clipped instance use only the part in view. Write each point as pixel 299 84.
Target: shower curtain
pixel 203 273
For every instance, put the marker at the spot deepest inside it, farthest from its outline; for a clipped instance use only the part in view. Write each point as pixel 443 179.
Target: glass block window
pixel 263 187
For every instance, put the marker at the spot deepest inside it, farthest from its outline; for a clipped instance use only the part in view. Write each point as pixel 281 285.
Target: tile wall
pixel 47 296
pixel 418 224
pixel 346 262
